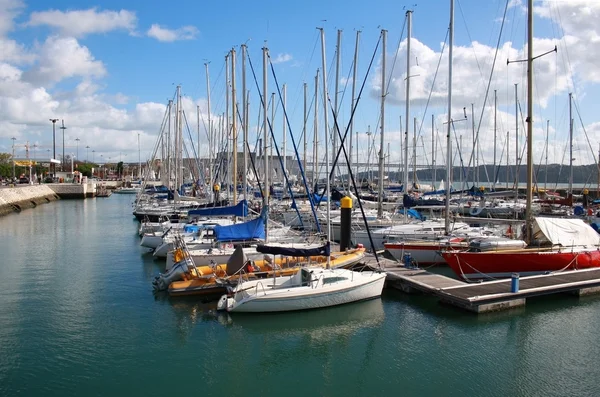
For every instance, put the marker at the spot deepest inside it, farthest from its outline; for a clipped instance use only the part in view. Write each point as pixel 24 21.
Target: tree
pixel 120 169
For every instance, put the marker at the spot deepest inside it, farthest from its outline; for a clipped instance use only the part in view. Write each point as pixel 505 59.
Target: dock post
pixel 345 223
pixel 514 283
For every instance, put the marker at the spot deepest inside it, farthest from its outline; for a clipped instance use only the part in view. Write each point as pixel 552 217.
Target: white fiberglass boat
pixel 310 288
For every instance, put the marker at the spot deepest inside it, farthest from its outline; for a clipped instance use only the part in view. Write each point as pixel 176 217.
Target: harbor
pixel 79 316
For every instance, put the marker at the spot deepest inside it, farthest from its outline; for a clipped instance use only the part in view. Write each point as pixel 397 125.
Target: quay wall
pixel 16 199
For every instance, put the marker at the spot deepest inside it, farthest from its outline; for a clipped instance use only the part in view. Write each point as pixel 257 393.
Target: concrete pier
pixel 16 199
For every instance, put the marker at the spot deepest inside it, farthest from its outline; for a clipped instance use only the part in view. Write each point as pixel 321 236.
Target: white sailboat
pixel 310 288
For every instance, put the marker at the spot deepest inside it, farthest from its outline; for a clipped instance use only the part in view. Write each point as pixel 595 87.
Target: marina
pixel 78 323
pixel 331 235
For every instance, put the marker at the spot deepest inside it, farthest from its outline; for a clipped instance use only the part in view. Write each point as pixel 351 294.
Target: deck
pixel 491 295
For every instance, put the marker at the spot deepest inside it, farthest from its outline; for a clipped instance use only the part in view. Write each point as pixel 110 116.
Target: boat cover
pixel 251 230
pixel 278 250
pixel 565 232
pixel 240 209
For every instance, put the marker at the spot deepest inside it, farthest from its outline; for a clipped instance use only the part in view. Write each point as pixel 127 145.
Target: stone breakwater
pixel 19 198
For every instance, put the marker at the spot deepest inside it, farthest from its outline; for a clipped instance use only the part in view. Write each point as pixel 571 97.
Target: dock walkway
pixel 490 295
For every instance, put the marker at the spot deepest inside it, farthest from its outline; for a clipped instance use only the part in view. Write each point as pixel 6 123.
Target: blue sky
pixel 108 68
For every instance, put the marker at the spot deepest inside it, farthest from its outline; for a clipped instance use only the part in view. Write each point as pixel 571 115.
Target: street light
pixel 62 162
pixel 87 153
pixel 93 161
pixel 77 153
pixel 13 155
pixel 53 166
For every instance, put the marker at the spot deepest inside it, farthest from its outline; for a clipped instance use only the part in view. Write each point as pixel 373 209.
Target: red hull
pixel 496 264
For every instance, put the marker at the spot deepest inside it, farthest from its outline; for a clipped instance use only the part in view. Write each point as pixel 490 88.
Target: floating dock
pixel 487 296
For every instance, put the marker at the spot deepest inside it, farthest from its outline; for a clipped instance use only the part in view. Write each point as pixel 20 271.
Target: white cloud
pixel 281 58
pixel 9 9
pixel 79 23
pixel 63 57
pixel 167 35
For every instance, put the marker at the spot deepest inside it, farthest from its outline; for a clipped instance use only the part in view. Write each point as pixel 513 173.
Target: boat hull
pixel 289 300
pixel 423 253
pixel 497 264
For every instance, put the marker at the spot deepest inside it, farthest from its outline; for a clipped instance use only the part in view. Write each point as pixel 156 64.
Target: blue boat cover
pixel 277 250
pixel 240 209
pixel 251 230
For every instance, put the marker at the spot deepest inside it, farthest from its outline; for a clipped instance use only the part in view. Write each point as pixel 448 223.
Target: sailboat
pixel 312 287
pixel 553 244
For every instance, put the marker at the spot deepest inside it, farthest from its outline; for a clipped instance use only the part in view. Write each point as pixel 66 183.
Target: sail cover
pixel 251 230
pixel 240 209
pixel 565 232
pixel 287 251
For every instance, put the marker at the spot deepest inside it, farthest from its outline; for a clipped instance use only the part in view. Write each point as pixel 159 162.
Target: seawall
pixel 19 198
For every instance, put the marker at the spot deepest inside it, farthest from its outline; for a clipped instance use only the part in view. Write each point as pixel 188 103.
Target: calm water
pixel 78 318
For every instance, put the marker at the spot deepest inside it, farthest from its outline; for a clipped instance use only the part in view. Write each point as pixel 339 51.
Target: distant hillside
pixel 556 173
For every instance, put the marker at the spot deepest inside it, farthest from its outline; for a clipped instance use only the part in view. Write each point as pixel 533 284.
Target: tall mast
pixel 382 124
pixel 210 131
pixel 304 88
pixel 325 119
pixel 316 133
pixel 570 143
pixel 546 173
pixel 284 134
pixel 414 156
pixel 507 156
pixel 408 34
pixel 528 215
pixel 245 120
pixel 476 173
pixel 335 96
pixel 354 71
pixel 227 125
pixel 234 126
pixel 495 134
pixel 271 135
pixel 433 150
pixel 448 140
pixel 517 142
pixel 265 192
pixel 169 156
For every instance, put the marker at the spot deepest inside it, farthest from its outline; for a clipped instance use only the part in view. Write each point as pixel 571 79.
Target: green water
pixel 78 318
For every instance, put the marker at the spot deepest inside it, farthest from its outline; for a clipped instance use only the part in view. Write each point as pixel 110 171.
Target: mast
pixel 304 87
pixel 284 134
pixel 495 135
pixel 433 151
pixel 316 133
pixel 408 34
pixel 448 140
pixel 245 120
pixel 335 96
pixel 570 143
pixel 546 173
pixel 265 192
pixel 517 143
pixel 528 215
pixel 414 156
pixel 327 192
pixel 234 126
pixel 210 131
pixel 507 156
pixel 476 173
pixel 382 124
pixel 354 70
pixel 227 125
pixel 271 135
pixel 168 154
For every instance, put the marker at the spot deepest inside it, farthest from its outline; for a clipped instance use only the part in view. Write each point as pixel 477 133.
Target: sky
pixel 108 69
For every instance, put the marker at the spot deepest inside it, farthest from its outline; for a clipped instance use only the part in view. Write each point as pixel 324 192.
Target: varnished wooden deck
pixel 491 295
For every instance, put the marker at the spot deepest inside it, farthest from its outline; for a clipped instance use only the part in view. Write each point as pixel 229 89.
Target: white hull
pixel 259 298
pixel 422 254
pixel 151 241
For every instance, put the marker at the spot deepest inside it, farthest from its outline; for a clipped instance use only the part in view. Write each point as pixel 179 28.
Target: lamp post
pixel 13 154
pixel 93 161
pixel 87 153
pixel 77 152
pixel 101 168
pixel 52 165
pixel 62 161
